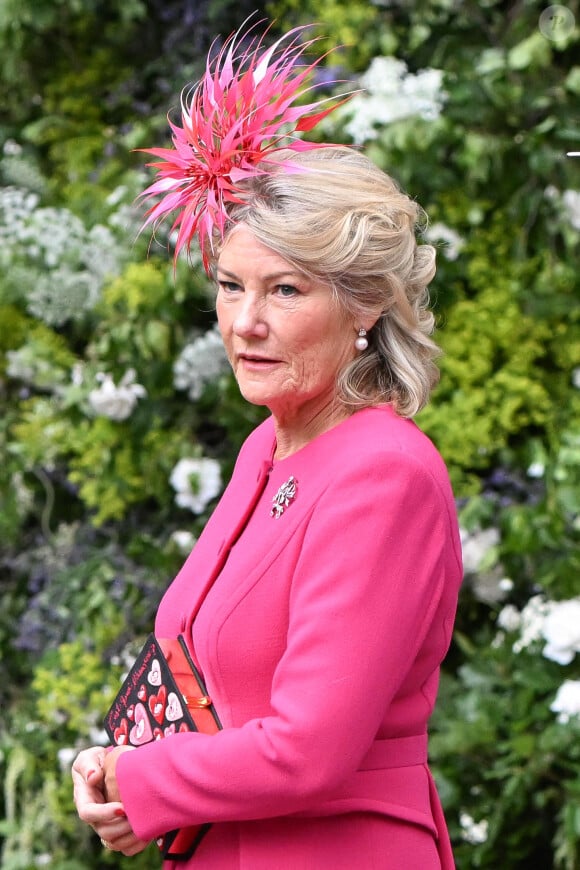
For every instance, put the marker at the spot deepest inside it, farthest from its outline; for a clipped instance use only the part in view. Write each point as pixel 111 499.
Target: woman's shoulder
pixel 379 431
pixel 376 443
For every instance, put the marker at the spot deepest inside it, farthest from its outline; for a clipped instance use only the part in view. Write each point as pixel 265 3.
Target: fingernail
pixel 90 773
pixel 120 812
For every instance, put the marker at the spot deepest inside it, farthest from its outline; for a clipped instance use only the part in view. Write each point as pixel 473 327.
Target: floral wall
pixel 120 421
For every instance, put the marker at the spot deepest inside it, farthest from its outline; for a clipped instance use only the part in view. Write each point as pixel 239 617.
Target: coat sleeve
pixel 367 591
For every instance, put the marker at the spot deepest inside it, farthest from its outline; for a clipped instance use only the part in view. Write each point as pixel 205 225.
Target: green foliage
pixel 113 471
pixel 76 133
pixel 491 390
pixel 349 29
pixel 39 40
pixel 141 290
pixel 70 686
pixel 40 436
pixel 71 690
pixel 33 812
pixel 13 328
pixel 41 357
pixel 540 541
pixel 500 755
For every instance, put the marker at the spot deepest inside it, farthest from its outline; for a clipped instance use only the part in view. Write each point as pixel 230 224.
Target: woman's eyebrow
pixel 222 271
pixel 274 276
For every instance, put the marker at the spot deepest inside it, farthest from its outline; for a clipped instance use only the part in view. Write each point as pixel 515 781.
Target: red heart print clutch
pixel 162 695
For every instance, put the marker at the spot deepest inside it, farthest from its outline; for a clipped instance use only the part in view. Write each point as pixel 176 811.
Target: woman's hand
pixel 109 767
pixel 96 797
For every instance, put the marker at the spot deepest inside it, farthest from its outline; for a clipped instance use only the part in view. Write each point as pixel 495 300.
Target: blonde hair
pixel 340 219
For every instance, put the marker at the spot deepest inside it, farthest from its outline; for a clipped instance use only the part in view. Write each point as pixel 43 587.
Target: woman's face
pixel 286 336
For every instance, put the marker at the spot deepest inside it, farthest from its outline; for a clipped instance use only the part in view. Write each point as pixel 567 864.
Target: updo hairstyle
pixel 341 220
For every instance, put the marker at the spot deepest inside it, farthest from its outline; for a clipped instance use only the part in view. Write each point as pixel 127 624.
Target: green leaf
pixel 534 51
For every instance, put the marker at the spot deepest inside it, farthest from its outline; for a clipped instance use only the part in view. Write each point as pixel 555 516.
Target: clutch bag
pixel 163 694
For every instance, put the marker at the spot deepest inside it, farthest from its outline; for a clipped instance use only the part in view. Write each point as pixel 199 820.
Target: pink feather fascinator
pixel 241 112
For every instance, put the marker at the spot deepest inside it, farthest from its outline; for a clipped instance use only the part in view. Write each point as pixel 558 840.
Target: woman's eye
pixel 287 290
pixel 228 286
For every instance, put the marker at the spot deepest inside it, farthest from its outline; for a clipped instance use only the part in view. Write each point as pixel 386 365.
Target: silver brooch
pixel 283 497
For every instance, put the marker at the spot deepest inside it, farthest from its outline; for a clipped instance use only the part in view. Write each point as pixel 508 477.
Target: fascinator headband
pixel 240 113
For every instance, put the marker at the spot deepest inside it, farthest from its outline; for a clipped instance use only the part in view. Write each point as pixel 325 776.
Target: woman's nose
pixel 250 318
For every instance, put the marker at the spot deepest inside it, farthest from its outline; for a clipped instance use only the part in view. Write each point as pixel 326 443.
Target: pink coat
pixel 320 635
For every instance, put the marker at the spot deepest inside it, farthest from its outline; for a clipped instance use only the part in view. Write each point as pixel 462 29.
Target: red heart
pixel 183 728
pixel 157 734
pixel 142 693
pixel 121 733
pixel 157 704
pixel 131 711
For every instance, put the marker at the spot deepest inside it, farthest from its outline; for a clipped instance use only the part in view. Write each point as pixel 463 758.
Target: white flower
pixel 100 255
pixel 116 403
pixel 440 232
pixel 98 736
pixel 506 584
pixel 568 201
pixel 24 496
pixel 556 622
pixel 476 547
pixel 567 701
pixel 117 195
pixel 196 482
pixel 384 76
pixel 571 203
pixel 536 470
pixel 392 93
pixel 200 362
pixel 62 294
pixel 30 365
pixel 77 375
pixel 12 148
pixel 66 756
pixel 561 630
pixel 509 618
pixel 533 617
pixel 61 265
pixel 183 540
pixel 16 206
pixel 473 832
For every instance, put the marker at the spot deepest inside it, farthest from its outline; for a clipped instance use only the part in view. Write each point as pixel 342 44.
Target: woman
pixel 319 600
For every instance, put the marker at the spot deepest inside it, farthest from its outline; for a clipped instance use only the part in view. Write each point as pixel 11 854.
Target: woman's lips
pixel 256 363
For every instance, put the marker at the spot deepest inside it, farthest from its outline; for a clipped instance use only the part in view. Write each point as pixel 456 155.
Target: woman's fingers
pixel 120 838
pixel 91 769
pixel 89 764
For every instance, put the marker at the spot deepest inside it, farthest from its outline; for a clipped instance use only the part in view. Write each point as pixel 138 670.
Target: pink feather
pixel 240 112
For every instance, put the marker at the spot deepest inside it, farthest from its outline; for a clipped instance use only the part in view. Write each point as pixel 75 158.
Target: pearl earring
pixel 362 341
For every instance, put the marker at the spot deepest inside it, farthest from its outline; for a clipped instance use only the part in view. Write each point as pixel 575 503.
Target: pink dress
pixel 320 634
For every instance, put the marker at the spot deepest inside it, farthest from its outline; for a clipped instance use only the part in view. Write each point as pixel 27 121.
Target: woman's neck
pixel 292 434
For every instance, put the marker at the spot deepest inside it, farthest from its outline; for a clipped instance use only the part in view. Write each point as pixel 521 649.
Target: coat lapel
pixel 225 527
